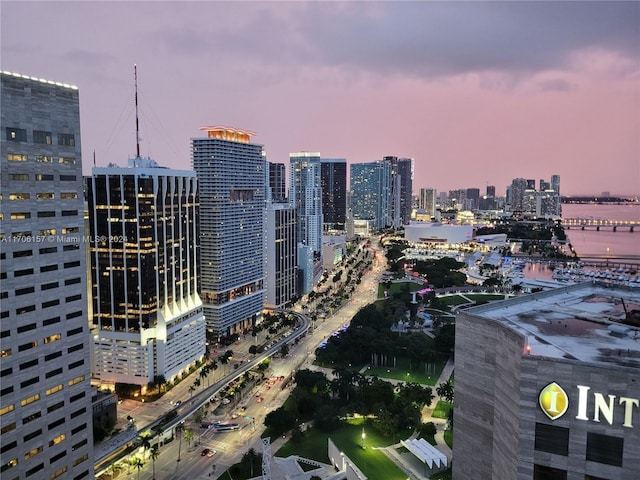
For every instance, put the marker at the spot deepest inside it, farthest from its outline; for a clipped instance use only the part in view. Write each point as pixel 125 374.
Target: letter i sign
pixel 553 401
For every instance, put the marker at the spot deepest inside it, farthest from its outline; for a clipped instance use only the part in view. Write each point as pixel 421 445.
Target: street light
pixel 363 437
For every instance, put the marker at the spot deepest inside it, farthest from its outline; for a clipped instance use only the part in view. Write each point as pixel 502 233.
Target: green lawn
pixel 374 463
pixel 398 288
pixel 441 410
pixel 426 374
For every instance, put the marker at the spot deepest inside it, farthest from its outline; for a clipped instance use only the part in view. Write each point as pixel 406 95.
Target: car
pixel 207 452
pixel 178 403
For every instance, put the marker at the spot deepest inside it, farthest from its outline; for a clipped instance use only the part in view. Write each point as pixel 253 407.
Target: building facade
pixel 547 386
pixel 401 190
pixel 333 183
pixel 147 317
pixel 277 192
pixel 370 187
pixel 231 177
pixel 45 409
pixel 281 259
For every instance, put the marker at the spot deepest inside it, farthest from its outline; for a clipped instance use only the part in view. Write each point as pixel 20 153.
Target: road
pixel 230 446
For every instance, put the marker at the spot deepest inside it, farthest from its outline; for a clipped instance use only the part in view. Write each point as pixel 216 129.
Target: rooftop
pixel 584 322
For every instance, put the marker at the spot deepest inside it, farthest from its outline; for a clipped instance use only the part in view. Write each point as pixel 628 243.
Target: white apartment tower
pixel 231 173
pixel 45 391
pixel 148 319
pixel 305 193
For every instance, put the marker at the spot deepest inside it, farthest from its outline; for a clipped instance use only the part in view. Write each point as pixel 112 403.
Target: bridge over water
pixel 601 224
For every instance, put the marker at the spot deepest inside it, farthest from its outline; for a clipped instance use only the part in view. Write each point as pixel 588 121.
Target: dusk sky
pixel 478 93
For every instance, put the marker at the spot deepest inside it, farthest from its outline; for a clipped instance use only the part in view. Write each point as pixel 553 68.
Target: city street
pixel 231 445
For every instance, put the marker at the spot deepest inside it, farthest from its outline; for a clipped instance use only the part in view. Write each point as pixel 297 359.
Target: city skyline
pixel 478 93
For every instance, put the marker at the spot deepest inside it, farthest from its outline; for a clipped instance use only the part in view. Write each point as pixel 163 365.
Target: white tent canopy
pixel 425 452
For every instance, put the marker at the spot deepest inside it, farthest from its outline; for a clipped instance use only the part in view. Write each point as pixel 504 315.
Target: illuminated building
pixel 305 194
pixel 232 183
pixel 147 316
pixel 370 186
pixel 45 391
pixel 547 386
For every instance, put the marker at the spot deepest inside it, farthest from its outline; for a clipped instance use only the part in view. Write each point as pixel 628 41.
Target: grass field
pixel 426 374
pixel 373 463
pixel 441 410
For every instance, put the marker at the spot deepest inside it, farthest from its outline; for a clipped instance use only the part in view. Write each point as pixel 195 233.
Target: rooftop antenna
pixel 135 76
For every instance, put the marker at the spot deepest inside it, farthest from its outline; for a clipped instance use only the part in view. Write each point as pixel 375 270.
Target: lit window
pixel 53 390
pixel 16 157
pixel 44 158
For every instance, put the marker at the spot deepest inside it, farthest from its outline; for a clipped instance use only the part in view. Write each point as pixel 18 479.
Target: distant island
pixel 597 199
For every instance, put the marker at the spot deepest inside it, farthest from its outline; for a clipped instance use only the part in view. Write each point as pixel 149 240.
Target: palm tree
pixel 204 371
pixel 188 435
pixel 179 429
pixel 154 454
pixel 192 389
pixel 445 390
pixel 145 443
pixel 137 463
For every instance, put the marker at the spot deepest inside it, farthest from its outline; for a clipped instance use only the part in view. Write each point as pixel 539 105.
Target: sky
pixel 477 93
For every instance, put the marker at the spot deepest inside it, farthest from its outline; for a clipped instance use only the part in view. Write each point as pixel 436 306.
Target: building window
pixel 19 196
pixel 16 157
pixel 31 399
pixel 45 196
pixel 22 253
pixel 52 356
pixel 49 286
pixel 44 158
pixel 56 440
pixel 16 134
pixel 42 137
pixel 46 214
pixel 67 160
pixel 552 439
pixel 19 177
pixel 52 390
pixel 605 449
pixel 66 139
pixel 542 472
pixel 29 382
pixel 20 215
pixel 68 195
pixel 44 251
pixel 43 178
pixel 68 178
pixel 69 213
pixel 32 452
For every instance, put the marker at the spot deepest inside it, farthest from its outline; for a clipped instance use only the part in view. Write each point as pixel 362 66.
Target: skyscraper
pixel 277 182
pixel 148 320
pixel 371 193
pixel 231 177
pixel 333 181
pixel 305 194
pixel 281 262
pixel 401 190
pixel 427 201
pixel 44 334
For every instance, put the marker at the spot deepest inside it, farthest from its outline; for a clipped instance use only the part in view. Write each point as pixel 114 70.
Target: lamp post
pixel 363 437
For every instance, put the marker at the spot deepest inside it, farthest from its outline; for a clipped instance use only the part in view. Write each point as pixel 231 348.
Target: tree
pixel 445 390
pixel 188 435
pixel 179 429
pixel 137 463
pixel 145 443
pixel 192 389
pixel 154 454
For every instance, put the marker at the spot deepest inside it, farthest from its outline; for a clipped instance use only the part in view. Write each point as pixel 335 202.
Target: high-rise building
pixel 333 182
pixel 148 320
pixel 401 190
pixel 305 193
pixel 282 253
pixel 516 194
pixel 555 183
pixel 231 178
pixel 427 201
pixel 370 185
pixel 546 386
pixel 277 182
pixel 46 394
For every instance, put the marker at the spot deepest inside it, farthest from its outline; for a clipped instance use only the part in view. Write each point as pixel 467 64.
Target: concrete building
pixel 147 317
pixel 548 386
pixel 46 397
pixel 401 190
pixel 427 201
pixel 231 177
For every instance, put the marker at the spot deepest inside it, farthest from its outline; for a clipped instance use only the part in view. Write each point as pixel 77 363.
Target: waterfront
pixel 604 242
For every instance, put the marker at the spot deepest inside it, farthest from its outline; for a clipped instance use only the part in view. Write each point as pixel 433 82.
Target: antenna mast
pixel 135 77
